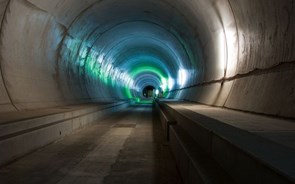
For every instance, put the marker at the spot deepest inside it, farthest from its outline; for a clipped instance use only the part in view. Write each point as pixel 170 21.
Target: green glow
pixel 152 69
pixel 127 92
pixel 141 69
pixel 146 102
pixel 90 62
pixel 98 67
pixel 137 100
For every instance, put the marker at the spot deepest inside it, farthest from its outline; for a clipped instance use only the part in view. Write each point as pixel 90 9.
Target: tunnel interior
pixel 68 52
pixel 235 56
pixel 149 91
pixel 132 48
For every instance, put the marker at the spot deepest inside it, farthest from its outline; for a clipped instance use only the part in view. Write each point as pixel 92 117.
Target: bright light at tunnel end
pixel 157 92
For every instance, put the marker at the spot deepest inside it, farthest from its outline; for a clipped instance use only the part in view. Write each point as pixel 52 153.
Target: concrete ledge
pixel 166 120
pixel 248 158
pixel 18 138
pixel 195 165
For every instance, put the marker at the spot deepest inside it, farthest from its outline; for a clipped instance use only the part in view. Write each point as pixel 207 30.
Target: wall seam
pixel 1 69
pixel 284 65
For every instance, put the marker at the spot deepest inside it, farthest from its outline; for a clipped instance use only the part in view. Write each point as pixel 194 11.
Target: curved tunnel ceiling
pixel 121 47
pixel 229 53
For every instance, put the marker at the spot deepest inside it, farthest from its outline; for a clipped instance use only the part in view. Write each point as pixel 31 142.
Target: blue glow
pixel 141 54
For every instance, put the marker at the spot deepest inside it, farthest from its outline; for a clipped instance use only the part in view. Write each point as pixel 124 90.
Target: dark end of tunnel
pixel 149 91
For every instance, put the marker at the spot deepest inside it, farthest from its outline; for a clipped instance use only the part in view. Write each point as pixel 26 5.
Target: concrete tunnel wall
pixel 237 54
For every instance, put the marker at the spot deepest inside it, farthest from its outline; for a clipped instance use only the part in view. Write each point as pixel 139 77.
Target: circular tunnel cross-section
pixel 208 51
pixel 148 91
pixel 67 64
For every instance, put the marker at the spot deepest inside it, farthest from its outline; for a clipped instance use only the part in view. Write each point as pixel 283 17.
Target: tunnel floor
pixel 127 147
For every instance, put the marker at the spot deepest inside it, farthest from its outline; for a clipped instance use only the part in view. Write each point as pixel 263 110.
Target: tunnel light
pixel 112 72
pixel 182 77
pixel 232 49
pixel 90 59
pixel 100 58
pixel 100 68
pixel 82 62
pixel 222 51
pixel 157 92
pixel 170 83
pixel 84 52
pixel 125 79
pixel 82 56
pixel 116 74
pixel 128 81
pixel 123 76
pixel 164 84
pixel 109 66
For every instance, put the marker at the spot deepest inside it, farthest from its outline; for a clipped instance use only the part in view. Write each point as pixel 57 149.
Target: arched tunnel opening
pixel 220 74
pixel 149 92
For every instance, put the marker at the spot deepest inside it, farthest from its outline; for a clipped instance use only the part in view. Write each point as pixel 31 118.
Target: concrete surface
pixel 22 133
pixel 76 110
pixel 280 131
pixel 236 54
pixel 240 142
pixel 126 148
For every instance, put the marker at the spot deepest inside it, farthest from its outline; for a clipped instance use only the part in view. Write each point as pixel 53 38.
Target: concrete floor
pixel 128 148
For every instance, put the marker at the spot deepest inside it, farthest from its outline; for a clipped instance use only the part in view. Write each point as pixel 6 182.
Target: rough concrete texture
pixel 251 148
pixel 125 148
pixel 239 54
pixel 235 54
pixel 24 132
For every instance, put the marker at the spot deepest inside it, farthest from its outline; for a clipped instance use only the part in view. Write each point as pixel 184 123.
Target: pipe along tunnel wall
pixel 235 54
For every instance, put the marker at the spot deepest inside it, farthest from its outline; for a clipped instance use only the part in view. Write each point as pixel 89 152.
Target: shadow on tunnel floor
pixel 145 158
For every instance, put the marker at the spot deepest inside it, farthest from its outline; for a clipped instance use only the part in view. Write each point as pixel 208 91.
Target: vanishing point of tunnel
pixel 147 91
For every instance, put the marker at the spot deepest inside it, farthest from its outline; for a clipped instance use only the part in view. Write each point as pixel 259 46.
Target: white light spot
pixel 182 77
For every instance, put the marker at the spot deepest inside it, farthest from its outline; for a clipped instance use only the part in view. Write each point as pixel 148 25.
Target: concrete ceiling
pixel 230 53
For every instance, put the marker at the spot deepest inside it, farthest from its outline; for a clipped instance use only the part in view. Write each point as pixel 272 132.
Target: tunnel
pixel 162 91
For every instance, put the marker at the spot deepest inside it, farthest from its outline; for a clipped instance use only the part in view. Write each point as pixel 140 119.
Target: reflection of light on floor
pixel 142 105
pixel 145 102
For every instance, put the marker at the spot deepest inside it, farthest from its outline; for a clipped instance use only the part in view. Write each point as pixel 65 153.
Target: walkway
pixel 127 147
